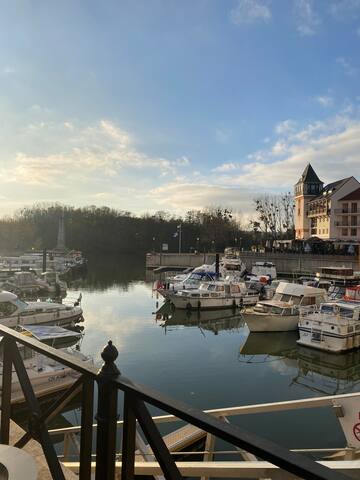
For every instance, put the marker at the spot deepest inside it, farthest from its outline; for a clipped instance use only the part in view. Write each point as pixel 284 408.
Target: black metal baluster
pixel 161 452
pixel 107 415
pixel 128 443
pixel 87 408
pixel 8 345
pixel 36 423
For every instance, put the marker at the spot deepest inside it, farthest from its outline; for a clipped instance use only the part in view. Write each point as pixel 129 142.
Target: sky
pixel 154 105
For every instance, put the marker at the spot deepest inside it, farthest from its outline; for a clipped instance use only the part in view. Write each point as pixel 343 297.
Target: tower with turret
pixel 306 189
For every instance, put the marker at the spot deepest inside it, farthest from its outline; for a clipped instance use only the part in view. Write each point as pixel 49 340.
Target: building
pixel 330 212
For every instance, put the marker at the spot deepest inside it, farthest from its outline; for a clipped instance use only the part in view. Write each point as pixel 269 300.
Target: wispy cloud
pixel 8 70
pixel 102 150
pixel 226 167
pixel 307 20
pixel 325 100
pixel 346 65
pixel 285 127
pixel 341 9
pixel 250 12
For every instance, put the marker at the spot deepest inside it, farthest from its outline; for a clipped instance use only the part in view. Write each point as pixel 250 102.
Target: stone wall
pixel 286 263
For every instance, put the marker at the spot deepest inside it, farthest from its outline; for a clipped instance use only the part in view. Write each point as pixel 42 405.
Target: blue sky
pixel 158 104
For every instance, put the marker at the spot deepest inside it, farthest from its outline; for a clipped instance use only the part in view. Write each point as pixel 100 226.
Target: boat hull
pixel 328 341
pixel 42 319
pixel 191 303
pixel 271 323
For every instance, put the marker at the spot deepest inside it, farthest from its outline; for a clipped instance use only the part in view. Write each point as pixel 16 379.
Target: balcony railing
pixel 110 381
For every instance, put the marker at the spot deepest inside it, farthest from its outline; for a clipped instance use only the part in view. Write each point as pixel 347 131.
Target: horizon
pixel 157 105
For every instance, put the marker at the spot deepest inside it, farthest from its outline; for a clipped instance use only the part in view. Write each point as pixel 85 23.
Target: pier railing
pixel 136 397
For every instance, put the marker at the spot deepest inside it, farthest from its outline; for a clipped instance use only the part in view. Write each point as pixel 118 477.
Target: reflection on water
pixel 208 359
pixel 212 320
pixel 317 371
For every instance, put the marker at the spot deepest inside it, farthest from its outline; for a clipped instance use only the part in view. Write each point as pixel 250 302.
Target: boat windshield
pixel 20 304
pixel 327 309
pixel 346 312
pixel 198 276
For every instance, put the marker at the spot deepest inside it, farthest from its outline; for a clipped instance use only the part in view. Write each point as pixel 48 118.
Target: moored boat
pixel 14 311
pixel 281 313
pixel 216 295
pixel 332 326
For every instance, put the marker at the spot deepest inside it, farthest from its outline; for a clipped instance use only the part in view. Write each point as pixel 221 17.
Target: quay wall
pixel 286 263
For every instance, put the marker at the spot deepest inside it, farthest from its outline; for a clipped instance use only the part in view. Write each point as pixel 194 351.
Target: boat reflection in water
pixel 211 320
pixel 318 371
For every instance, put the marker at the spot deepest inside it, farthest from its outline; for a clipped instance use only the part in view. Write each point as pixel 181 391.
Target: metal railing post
pixel 8 345
pixel 107 415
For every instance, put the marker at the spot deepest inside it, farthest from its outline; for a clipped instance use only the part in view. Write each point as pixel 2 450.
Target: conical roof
pixel 309 175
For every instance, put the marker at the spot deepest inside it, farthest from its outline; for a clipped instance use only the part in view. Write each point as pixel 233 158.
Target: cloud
pixel 342 9
pixel 325 100
pixel 250 12
pixel 102 150
pixel 331 146
pixel 192 196
pixel 346 65
pixel 306 19
pixel 285 127
pixel 226 167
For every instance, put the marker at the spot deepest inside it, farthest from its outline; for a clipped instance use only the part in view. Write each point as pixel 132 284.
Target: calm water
pixel 210 360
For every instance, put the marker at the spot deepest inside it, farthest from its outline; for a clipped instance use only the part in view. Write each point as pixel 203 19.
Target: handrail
pixel 305 403
pixel 109 381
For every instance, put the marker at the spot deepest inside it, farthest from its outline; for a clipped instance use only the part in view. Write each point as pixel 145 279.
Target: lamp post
pixel 197 244
pixel 153 239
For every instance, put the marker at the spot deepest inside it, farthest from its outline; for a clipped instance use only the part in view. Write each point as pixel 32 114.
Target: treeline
pixel 102 229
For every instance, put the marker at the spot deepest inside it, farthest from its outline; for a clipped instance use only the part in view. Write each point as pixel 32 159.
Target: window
pixel 353 221
pixel 354 208
pixel 344 232
pixel 6 309
pixel 353 232
pixel 345 207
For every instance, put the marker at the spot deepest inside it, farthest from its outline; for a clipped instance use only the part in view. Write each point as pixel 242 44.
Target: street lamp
pixel 197 243
pixel 179 234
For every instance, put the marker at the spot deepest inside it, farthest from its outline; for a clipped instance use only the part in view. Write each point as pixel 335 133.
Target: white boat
pixel 266 269
pixel 215 295
pixel 47 376
pixel 202 274
pixel 231 264
pixel 332 326
pixel 281 313
pixel 29 283
pixel 14 311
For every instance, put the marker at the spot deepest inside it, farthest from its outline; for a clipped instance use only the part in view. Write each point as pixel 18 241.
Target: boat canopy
pixel 48 332
pixel 298 290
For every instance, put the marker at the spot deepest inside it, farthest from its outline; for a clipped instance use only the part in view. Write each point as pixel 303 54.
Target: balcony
pixel 105 464
pixel 317 212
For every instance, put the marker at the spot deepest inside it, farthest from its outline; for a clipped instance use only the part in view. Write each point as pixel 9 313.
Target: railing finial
pixel 109 355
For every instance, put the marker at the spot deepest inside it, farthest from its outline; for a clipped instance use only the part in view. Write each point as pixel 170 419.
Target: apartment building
pixel 329 212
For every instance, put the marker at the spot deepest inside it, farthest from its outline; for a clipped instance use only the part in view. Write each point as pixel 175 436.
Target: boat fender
pixel 234 303
pixel 199 305
pixel 188 306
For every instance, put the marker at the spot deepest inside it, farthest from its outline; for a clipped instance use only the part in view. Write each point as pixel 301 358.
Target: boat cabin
pixel 289 297
pixel 333 326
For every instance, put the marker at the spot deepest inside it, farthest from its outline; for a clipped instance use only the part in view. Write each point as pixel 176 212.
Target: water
pixel 209 361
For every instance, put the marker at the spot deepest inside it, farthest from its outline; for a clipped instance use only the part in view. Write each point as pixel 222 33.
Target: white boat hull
pixel 271 323
pixel 184 302
pixel 329 341
pixel 52 318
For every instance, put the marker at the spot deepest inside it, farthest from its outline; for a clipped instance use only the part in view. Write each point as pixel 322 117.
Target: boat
pixel 14 311
pixel 46 375
pixel 202 274
pixel 267 269
pixel 29 283
pixel 231 265
pixel 218 294
pixel 331 326
pixel 281 313
pixel 52 335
